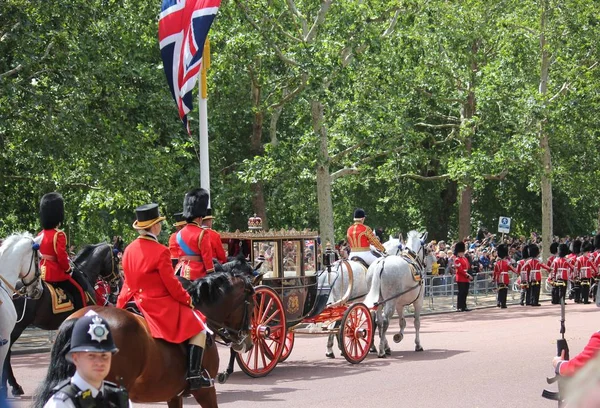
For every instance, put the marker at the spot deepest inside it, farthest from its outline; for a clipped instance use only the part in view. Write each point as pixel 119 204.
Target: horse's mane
pixel 13 239
pixel 86 252
pixel 411 237
pixel 209 290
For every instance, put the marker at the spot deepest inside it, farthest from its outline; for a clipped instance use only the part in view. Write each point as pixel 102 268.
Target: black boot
pixel 196 377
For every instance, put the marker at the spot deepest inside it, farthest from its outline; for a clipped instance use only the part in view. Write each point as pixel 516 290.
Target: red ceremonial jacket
pixel 584 267
pixel 360 237
pixel 501 270
pixel 461 266
pixel 534 268
pixel 561 269
pixel 199 262
pixel 174 247
pixel 151 283
pixel 215 243
pixel 521 272
pixel 551 259
pixel 54 265
pixel 569 368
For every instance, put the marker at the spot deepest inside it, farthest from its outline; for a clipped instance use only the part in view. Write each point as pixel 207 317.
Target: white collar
pixel 83 385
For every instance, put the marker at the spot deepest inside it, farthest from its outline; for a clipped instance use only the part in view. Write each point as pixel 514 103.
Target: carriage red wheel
pixel 356 333
pixel 288 345
pixel 267 328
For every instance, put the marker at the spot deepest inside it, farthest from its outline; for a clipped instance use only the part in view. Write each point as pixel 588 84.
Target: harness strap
pixel 8 285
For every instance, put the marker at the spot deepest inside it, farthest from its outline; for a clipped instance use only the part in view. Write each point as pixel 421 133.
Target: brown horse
pixel 153 370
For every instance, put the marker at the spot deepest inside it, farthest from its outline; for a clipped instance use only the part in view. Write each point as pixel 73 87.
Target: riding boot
pixel 196 377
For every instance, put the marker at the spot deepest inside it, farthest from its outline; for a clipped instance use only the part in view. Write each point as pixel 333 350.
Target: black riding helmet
pixel 91 333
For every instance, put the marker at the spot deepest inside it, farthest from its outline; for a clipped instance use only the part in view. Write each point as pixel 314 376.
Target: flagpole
pixel 203 112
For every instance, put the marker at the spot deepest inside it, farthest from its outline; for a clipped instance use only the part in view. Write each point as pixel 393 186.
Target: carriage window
pixel 292 253
pixel 268 251
pixel 309 257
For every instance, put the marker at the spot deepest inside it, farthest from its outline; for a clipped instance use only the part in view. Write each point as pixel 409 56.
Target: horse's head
pixel 20 261
pixel 415 241
pixel 227 301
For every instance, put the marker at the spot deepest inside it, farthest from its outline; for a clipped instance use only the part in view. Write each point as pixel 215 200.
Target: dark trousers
pixel 535 293
pixel 502 293
pixel 558 292
pixel 526 295
pixel 577 291
pixel 463 291
pixel 585 290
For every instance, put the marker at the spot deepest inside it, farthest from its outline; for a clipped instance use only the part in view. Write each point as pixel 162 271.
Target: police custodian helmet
pixel 91 333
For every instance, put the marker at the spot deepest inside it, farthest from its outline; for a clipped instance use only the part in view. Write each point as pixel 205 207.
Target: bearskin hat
pixel 576 246
pixel 554 248
pixel 52 210
pixel 534 251
pixel 563 250
pixel 597 241
pixel 502 251
pixel 359 213
pixel 525 252
pixel 459 247
pixel 587 247
pixel 195 204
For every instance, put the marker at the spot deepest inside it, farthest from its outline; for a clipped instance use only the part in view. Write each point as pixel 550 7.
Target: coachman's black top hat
pixel 209 215
pixel 91 334
pixel 147 215
pixel 179 220
pixel 359 214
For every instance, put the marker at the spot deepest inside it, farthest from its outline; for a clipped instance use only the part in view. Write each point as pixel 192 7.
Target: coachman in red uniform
pixel 501 274
pixel 463 279
pixel 54 264
pixel 152 285
pixel 585 270
pixel 560 271
pixel 173 245
pixel 197 254
pixel 534 268
pixel 214 237
pixel 360 238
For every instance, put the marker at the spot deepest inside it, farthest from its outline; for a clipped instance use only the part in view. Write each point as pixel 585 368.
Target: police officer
pixel 91 351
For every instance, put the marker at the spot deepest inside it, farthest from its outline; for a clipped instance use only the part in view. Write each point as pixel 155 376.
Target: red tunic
pixel 215 243
pixel 54 265
pixel 561 269
pixel 522 273
pixel 461 265
pixel 150 282
pixel 534 268
pixel 569 368
pixel 551 259
pixel 501 272
pixel 585 268
pixel 197 264
pixel 360 237
pixel 174 247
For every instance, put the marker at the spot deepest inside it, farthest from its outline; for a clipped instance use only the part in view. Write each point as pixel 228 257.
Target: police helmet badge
pixel 97 330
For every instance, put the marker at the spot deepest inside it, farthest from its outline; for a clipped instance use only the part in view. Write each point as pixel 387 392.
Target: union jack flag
pixel 182 30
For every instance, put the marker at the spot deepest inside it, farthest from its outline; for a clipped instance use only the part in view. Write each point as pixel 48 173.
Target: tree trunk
pixel 258 195
pixel 546 179
pixel 466 194
pixel 323 176
pixel 439 231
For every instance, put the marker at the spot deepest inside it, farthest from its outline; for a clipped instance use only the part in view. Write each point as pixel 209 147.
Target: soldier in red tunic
pixel 570 367
pixel 560 271
pixel 197 254
pixel 553 251
pixel 173 246
pixel 461 266
pixel 501 274
pixel 534 268
pixel 54 264
pixel 214 237
pixel 360 238
pixel 585 270
pixel 574 277
pixel 167 307
pixel 524 276
pixel 596 262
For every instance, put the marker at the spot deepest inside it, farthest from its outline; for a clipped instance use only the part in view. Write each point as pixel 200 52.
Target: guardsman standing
pixel 173 246
pixel 524 276
pixel 91 352
pixel 501 274
pixel 214 237
pixel 360 238
pixel 560 271
pixel 197 254
pixel 553 251
pixel 585 270
pixel 54 264
pixel 463 279
pixel 574 277
pixel 534 268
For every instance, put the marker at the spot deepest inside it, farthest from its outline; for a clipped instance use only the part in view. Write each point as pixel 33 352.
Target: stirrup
pixel 200 380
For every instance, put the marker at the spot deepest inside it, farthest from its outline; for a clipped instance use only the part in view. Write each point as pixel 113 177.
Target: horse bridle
pixel 228 333
pixel 114 275
pixel 34 261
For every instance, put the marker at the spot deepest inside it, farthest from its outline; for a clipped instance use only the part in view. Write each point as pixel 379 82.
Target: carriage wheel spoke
pixel 266 310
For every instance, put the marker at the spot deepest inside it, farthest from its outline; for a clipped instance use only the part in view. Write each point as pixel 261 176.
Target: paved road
pixel 484 358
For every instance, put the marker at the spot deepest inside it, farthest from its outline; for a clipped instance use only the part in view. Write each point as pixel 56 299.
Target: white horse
pixel 390 279
pixel 18 260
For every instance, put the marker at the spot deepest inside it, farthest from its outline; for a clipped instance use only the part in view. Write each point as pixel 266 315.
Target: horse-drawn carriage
pixel 294 296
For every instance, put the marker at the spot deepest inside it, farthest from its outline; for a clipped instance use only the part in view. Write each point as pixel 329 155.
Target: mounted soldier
pixel 360 238
pixel 55 267
pixel 158 294
pixel 174 248
pixel 214 237
pixel 197 255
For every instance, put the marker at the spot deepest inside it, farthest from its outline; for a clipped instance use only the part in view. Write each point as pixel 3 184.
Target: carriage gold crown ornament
pixel 255 223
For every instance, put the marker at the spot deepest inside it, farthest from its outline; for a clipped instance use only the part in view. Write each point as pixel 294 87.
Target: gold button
pixel 141 300
pixel 140 291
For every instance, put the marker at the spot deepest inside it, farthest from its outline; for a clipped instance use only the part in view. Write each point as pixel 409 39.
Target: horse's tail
pixel 375 290
pixel 59 369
